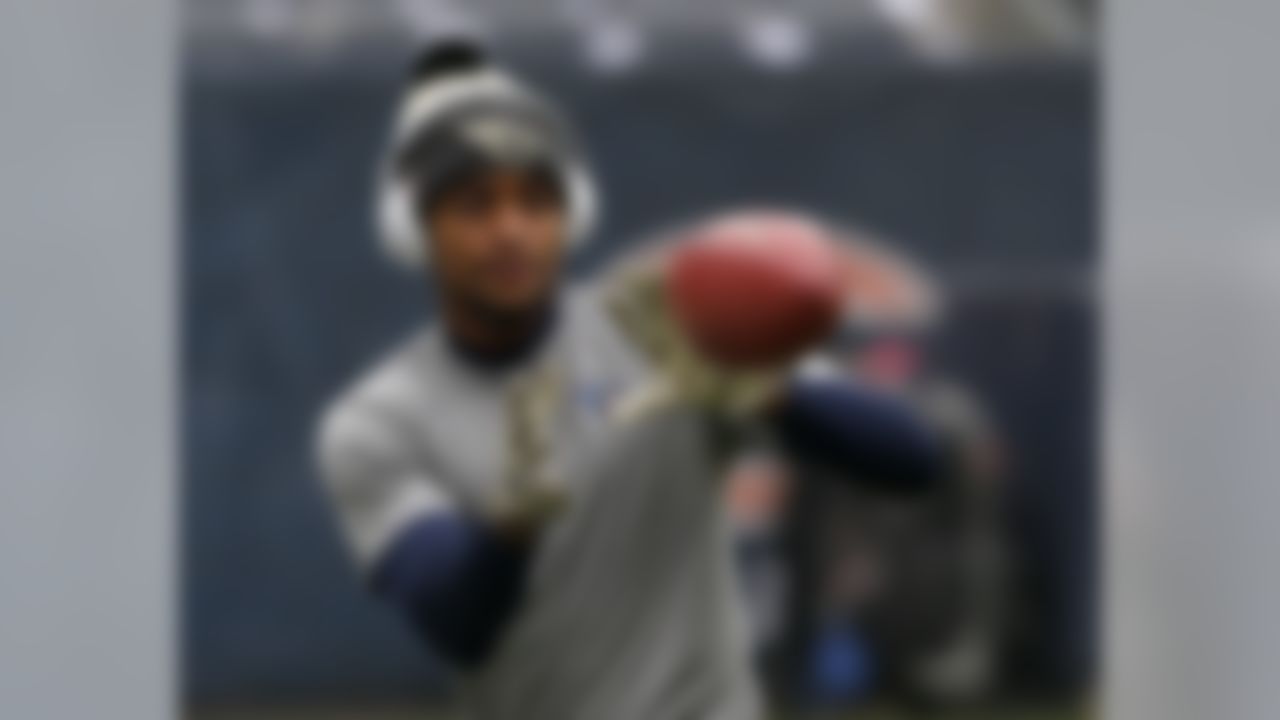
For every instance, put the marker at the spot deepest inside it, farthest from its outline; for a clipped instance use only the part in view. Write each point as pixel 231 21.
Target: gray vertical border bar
pixel 1192 360
pixel 87 357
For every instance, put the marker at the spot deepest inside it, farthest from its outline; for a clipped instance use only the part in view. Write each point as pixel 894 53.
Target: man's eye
pixel 472 204
pixel 541 198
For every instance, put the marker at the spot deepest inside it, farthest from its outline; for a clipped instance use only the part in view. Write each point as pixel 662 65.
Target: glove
pixel 533 489
pixel 637 300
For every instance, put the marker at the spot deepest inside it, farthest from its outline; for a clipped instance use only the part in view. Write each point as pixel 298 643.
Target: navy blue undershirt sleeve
pixel 457 582
pixel 859 433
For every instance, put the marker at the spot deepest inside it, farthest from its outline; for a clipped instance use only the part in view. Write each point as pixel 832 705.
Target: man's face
pixel 497 239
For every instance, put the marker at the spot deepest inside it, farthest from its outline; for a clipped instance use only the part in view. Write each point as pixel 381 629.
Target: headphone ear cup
pixel 402 237
pixel 584 205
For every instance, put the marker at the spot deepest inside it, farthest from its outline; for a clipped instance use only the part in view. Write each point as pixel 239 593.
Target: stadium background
pixel 984 170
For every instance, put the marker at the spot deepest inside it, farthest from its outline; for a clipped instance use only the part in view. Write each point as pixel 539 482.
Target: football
pixel 756 289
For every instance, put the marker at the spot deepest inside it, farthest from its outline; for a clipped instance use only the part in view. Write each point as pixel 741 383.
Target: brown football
pixel 756 289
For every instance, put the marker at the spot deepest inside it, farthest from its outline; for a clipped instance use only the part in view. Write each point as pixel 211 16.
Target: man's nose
pixel 511 221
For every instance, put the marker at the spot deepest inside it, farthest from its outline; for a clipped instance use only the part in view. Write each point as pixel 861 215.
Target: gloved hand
pixel 637 299
pixel 534 489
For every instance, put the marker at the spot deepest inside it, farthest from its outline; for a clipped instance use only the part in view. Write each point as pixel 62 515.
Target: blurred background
pixel 958 133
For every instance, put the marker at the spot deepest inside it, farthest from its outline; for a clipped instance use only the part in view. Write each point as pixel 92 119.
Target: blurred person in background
pixel 906 597
pixel 505 478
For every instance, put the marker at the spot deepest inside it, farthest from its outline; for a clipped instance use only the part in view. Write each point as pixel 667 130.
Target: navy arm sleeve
pixel 858 432
pixel 458 583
